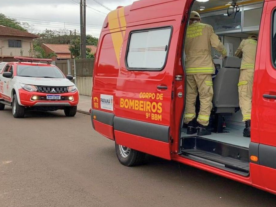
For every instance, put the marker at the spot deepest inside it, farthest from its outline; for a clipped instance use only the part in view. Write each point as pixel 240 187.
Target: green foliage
pixel 91 40
pixel 89 55
pixel 63 37
pixel 40 52
pixel 52 37
pixel 8 22
pixel 75 47
pixel 67 37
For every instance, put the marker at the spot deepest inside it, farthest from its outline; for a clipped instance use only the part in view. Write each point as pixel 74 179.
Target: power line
pixel 91 8
pixel 102 5
pixel 51 22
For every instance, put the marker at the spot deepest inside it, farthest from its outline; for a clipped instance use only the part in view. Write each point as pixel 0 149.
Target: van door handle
pixel 162 87
pixel 267 96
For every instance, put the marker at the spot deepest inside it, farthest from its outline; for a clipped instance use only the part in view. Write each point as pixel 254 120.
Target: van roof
pixel 117 18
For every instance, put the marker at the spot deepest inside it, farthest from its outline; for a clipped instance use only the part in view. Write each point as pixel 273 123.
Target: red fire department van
pixel 138 97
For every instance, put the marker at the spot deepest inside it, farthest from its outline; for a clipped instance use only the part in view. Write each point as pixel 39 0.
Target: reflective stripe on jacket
pixel 199 40
pixel 247 51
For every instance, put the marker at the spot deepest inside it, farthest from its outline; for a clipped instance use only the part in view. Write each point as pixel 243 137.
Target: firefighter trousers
pixel 245 92
pixel 202 85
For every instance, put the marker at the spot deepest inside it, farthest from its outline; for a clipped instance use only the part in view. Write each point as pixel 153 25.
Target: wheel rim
pixel 14 108
pixel 124 151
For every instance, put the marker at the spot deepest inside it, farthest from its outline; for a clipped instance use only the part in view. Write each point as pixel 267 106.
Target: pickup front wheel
pixel 2 107
pixel 129 157
pixel 70 111
pixel 17 110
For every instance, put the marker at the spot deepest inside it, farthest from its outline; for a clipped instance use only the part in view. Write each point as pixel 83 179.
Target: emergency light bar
pixel 25 59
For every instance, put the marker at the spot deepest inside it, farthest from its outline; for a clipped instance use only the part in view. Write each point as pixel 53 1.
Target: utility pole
pixel 83 28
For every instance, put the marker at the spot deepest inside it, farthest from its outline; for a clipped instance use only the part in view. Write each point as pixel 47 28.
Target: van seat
pixel 226 97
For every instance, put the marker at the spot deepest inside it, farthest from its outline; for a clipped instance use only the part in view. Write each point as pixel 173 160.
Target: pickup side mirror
pixel 7 74
pixel 70 77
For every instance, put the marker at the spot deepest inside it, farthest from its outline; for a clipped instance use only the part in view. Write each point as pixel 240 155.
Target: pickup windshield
pixel 39 71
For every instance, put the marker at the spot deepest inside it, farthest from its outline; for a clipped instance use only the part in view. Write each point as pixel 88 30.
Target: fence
pixel 82 70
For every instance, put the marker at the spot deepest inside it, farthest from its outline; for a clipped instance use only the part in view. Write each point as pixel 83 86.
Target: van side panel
pixel 106 70
pixel 147 145
pixel 104 129
pixel 104 85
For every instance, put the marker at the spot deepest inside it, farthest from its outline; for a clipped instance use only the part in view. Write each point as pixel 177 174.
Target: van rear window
pixel 148 49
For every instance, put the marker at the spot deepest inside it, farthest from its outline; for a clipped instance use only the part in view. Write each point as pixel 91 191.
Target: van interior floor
pixel 228 151
pixel 231 136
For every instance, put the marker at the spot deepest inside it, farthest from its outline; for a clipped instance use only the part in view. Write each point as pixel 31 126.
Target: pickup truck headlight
pixel 29 88
pixel 72 89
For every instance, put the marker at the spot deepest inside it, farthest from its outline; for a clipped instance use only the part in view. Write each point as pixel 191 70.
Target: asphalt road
pixel 49 160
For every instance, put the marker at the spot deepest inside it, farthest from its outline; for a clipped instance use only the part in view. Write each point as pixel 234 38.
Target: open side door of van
pixel 145 85
pixel 263 131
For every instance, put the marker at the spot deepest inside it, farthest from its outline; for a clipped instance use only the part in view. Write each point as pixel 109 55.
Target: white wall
pixel 84 85
pixel 26 49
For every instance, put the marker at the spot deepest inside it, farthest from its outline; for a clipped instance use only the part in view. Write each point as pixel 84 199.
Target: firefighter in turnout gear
pixel 246 51
pixel 199 69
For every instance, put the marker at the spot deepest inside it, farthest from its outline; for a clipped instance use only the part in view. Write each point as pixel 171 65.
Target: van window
pixel 274 40
pixel 146 51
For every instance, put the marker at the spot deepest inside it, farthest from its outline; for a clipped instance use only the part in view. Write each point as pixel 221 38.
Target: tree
pixel 75 47
pixel 40 52
pixel 89 55
pixel 63 36
pixel 27 27
pixel 8 22
pixel 91 40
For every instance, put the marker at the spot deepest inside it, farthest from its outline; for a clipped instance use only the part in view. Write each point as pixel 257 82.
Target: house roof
pixel 10 32
pixel 58 48
pixel 63 56
pixel 64 49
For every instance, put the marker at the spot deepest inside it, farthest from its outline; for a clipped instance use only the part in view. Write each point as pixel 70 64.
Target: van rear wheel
pixel 129 157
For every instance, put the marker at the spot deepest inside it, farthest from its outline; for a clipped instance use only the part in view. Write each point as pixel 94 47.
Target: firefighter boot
pixel 203 130
pixel 246 131
pixel 191 128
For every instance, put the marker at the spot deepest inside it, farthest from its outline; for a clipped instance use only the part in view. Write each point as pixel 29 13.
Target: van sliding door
pixel 144 104
pixel 263 131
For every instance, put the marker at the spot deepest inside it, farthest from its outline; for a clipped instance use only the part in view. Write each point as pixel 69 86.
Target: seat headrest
pixel 232 62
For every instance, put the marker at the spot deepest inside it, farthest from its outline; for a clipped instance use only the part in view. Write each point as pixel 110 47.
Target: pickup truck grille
pixel 51 89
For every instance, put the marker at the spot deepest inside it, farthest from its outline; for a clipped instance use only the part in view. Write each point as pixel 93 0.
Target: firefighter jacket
pixel 199 40
pixel 247 51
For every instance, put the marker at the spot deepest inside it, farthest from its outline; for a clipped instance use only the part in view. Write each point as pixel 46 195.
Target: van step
pixel 215 147
pixel 228 162
pixel 217 154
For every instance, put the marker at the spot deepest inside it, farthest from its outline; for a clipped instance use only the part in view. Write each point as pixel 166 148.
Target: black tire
pixel 2 107
pixel 70 111
pixel 129 157
pixel 17 110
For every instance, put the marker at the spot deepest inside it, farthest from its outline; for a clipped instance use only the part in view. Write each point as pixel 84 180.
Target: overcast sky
pixel 59 14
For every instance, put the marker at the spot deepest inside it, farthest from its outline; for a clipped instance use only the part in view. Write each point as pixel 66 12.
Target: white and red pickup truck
pixel 36 84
